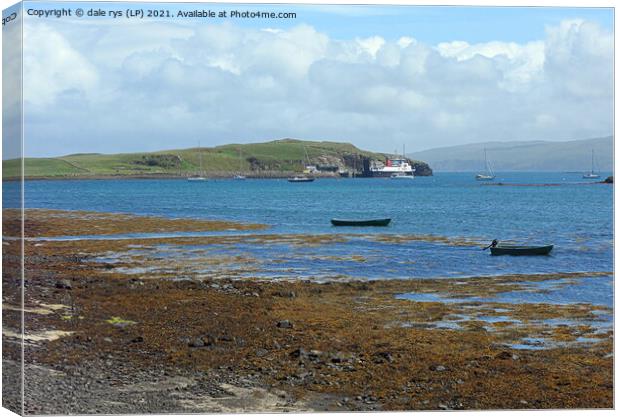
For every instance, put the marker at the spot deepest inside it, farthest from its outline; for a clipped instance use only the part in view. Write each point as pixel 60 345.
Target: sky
pixel 377 76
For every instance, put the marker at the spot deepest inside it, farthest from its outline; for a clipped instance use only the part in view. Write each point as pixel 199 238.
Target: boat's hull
pixel 388 174
pixel 300 179
pixel 521 250
pixel 371 222
pixel 480 177
pixel 591 176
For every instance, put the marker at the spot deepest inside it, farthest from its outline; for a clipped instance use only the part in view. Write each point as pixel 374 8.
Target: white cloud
pixel 579 59
pixel 405 41
pixel 371 45
pixel 53 67
pixel 271 30
pixel 519 64
pixel 160 86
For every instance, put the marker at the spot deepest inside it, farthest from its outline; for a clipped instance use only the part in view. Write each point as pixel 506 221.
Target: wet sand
pixel 108 341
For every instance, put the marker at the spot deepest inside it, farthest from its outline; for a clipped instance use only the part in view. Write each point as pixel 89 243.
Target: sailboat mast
pixel 200 175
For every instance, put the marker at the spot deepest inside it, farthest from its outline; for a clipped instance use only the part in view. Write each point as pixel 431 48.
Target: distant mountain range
pixel 573 155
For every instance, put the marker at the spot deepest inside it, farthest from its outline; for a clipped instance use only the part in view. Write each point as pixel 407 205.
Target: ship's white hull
pixel 401 177
pixel 389 174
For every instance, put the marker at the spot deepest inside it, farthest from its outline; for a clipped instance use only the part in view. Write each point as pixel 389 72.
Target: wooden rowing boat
pixel 519 250
pixel 369 222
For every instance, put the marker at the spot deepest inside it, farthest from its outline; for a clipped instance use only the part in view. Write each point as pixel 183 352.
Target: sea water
pixel 574 216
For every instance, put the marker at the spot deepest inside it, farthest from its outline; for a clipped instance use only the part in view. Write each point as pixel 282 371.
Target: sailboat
pixel 488 175
pixel 591 174
pixel 198 177
pixel 303 178
pixel 239 176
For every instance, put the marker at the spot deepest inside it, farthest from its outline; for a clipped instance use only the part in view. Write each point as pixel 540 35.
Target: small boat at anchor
pixel 498 249
pixel 591 175
pixel 239 176
pixel 488 174
pixel 199 177
pixel 301 179
pixel 367 222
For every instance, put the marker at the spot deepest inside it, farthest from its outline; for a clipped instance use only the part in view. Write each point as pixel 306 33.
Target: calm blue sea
pixel 577 218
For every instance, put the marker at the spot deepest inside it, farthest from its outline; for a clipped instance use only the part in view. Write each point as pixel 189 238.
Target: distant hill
pixel 523 156
pixel 269 159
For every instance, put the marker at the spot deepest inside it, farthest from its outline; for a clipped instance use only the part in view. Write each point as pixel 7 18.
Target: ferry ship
pixel 393 167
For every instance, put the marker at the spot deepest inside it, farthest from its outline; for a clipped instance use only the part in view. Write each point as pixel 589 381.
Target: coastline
pixel 127 340
pixel 279 176
pixel 157 176
pixel 274 175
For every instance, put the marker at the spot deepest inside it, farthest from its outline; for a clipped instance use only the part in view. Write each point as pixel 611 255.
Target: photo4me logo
pixel 237 14
pixel 262 15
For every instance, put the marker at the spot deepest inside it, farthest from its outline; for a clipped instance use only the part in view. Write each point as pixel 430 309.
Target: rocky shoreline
pixel 100 339
pixel 425 171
